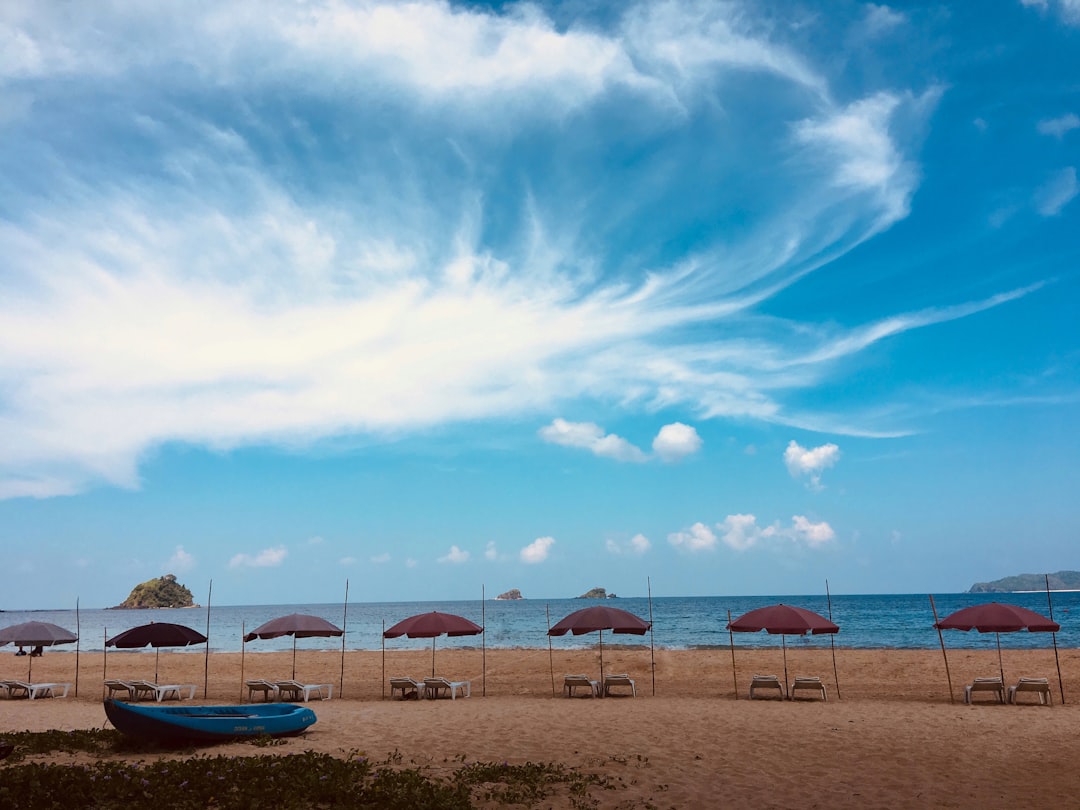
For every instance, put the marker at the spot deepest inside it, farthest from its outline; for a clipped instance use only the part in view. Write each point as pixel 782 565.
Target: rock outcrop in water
pixel 510 595
pixel 597 593
pixel 163 592
pixel 1061 581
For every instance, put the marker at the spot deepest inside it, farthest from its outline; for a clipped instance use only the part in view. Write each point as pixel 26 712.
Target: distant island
pixel 163 592
pixel 510 595
pixel 597 593
pixel 1061 581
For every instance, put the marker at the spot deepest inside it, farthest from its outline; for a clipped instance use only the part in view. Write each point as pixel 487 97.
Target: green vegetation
pixel 1061 581
pixel 163 592
pixel 307 780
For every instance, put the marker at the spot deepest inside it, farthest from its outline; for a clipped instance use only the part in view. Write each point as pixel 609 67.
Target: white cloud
pixel 698 537
pixel 315 541
pixel 490 552
pixel 537 551
pixel 347 561
pixel 455 555
pixel 591 437
pixel 742 532
pixel 880 19
pixel 1057 192
pixel 810 463
pixel 180 562
pixel 411 563
pixel 638 544
pixel 1068 9
pixel 380 559
pixel 1059 127
pixel 267 558
pixel 676 441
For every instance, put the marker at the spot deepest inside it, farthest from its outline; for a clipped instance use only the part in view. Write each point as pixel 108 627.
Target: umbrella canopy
pixel 599 618
pixel 297 625
pixel 432 625
pixel 35 634
pixel 783 620
pixel 156 635
pixel 997 618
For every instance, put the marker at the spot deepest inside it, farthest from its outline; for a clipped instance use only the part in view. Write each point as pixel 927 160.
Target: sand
pixel 891 739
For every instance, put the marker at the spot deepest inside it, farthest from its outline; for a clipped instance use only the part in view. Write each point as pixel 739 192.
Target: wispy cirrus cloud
pixel 1057 192
pixel 1060 126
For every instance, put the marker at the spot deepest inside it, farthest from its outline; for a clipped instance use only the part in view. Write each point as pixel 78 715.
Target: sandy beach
pixel 891 738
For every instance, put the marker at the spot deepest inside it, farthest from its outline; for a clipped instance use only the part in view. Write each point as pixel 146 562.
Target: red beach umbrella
pixel 997 618
pixel 599 618
pixel 35 634
pixel 783 620
pixel 156 635
pixel 297 625
pixel 432 625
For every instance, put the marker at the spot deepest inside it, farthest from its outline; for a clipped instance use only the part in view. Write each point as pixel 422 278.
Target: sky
pixel 441 299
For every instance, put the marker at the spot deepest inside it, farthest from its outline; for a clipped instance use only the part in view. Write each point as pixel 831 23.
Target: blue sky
pixel 734 297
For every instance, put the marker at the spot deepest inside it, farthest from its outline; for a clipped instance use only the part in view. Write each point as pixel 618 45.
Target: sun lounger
pixel 618 682
pixel 35 690
pixel 766 683
pixel 114 686
pixel 433 687
pixel 161 692
pixel 410 689
pixel 572 682
pixel 267 689
pixel 294 690
pixel 991 685
pixel 1037 686
pixel 810 684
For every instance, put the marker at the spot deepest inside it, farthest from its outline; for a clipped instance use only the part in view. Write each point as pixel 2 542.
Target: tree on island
pixel 163 592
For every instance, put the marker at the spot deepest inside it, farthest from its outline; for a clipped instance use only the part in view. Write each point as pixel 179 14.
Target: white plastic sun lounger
pixel 434 686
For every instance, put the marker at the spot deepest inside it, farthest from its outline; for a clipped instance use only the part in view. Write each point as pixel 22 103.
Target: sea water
pixel 679 622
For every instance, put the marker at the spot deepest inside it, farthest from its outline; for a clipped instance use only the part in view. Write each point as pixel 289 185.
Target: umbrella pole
pixel 294 656
pixel 344 618
pixel 731 640
pixel 383 693
pixel 483 641
pixel 551 660
pixel 206 660
pixel 783 644
pixel 157 652
pixel 1001 666
pixel 832 643
pixel 243 649
pixel 78 633
pixel 652 638
pixel 952 698
pixel 433 656
pixel 104 655
pixel 601 657
pixel 1061 686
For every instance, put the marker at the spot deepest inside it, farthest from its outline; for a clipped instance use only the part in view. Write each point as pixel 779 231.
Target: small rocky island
pixel 510 595
pixel 163 592
pixel 597 593
pixel 1061 581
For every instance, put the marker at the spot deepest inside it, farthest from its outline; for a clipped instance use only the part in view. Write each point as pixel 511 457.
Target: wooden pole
pixel 832 642
pixel 78 633
pixel 652 638
pixel 206 662
pixel 952 698
pixel 104 655
pixel 1050 604
pixel 483 640
pixel 601 658
pixel 783 644
pixel 731 640
pixel 551 660
pixel 344 632
pixel 383 637
pixel 294 656
pixel 243 649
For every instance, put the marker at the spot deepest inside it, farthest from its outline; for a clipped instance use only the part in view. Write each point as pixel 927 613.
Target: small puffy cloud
pixel 638 544
pixel 811 534
pixel 347 561
pixel 490 552
pixel 537 551
pixel 811 463
pixel 267 558
pixel 676 441
pixel 411 563
pixel 880 19
pixel 455 555
pixel 1057 192
pixel 741 532
pixel 180 562
pixel 1058 127
pixel 379 559
pixel 591 437
pixel 698 537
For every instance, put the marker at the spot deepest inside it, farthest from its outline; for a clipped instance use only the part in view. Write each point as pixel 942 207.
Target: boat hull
pixel 208 723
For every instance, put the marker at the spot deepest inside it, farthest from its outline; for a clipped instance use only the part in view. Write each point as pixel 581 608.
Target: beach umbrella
pixel 297 625
pixel 782 620
pixel 35 634
pixel 432 625
pixel 997 618
pixel 597 619
pixel 156 635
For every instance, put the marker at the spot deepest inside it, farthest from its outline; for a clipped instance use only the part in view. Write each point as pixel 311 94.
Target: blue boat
pixel 208 723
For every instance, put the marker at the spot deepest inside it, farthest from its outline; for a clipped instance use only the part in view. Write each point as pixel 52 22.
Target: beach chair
pixel 267 689
pixel 810 684
pixel 114 686
pixel 766 683
pixel 1036 686
pixel 619 682
pixel 572 682
pixel 410 689
pixel 993 686
pixel 433 687
pixel 33 691
pixel 161 692
pixel 294 690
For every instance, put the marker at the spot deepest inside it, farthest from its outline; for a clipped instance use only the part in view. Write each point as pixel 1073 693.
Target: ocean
pixel 903 621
